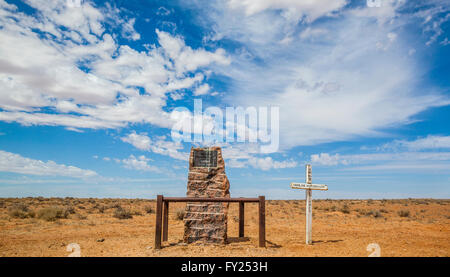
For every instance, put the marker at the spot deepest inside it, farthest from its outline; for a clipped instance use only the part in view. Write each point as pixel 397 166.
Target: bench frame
pixel 162 215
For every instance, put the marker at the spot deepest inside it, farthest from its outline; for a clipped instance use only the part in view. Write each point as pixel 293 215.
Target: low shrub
pixel 121 213
pixel 179 214
pixel 115 206
pixel 403 213
pixel 149 209
pixel 20 211
pixel 345 209
pixel 52 213
pixel 70 209
pixel 375 214
pixel 81 217
pixel 101 209
pixel 136 213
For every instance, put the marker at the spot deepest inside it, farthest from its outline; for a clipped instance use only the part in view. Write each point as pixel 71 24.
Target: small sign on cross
pixel 309 186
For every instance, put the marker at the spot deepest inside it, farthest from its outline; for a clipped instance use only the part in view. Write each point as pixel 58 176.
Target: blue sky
pixel 87 93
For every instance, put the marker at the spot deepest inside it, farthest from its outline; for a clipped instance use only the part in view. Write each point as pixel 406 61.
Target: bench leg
pixel 166 221
pixel 159 200
pixel 262 221
pixel 241 219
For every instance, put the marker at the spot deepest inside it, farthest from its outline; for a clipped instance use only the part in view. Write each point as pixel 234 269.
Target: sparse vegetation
pixel 121 213
pixel 70 209
pixel 136 213
pixel 427 219
pixel 345 209
pixel 101 208
pixel 375 213
pixel 52 213
pixel 81 217
pixel 149 209
pixel 179 214
pixel 403 213
pixel 115 206
pixel 20 211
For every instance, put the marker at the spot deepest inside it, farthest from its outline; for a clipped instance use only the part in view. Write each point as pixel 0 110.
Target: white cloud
pixel 11 162
pixel 326 159
pixel 292 9
pixel 243 156
pixel 384 13
pixel 337 159
pixel 169 148
pixel 159 146
pixel 140 163
pixel 268 163
pixel 312 32
pixel 64 60
pixel 333 85
pixel 140 141
pixel 202 90
pixel 163 11
pixel 396 155
pixel 429 142
pixel 445 42
pixel 128 30
pixel 185 58
pixel 263 163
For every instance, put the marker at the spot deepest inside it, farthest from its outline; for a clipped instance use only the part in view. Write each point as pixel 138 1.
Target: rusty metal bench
pixel 162 215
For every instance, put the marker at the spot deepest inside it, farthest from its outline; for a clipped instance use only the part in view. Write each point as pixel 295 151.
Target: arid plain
pixel 125 227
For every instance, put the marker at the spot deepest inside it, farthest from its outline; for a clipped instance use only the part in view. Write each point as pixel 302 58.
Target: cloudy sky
pixel 88 90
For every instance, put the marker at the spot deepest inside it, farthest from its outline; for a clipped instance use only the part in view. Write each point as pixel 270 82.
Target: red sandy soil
pixel 406 227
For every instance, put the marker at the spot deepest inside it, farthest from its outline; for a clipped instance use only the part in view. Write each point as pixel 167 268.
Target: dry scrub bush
pixel 149 209
pixel 121 213
pixel 101 209
pixel 136 213
pixel 81 217
pixel 52 213
pixel 20 211
pixel 345 209
pixel 70 209
pixel 403 213
pixel 179 214
pixel 375 214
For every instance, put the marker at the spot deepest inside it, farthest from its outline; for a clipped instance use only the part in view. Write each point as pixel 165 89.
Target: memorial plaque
pixel 205 158
pixel 206 221
pixel 308 186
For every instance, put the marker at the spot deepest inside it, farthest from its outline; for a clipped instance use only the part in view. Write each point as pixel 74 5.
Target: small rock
pixel 100 240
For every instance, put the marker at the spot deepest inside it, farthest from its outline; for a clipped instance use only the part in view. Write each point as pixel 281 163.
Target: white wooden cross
pixel 308 186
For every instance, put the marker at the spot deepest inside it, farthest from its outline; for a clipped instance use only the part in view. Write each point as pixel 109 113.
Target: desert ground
pixel 125 227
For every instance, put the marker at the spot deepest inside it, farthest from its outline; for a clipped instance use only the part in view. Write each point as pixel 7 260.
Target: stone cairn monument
pixel 206 221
